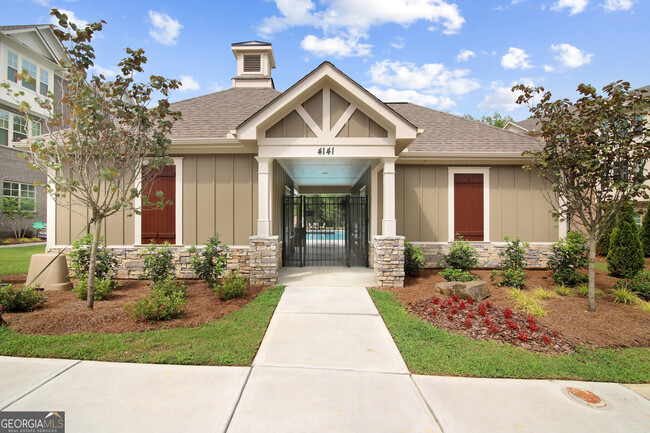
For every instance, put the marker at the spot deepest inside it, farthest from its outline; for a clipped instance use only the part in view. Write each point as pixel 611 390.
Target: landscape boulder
pixel 478 290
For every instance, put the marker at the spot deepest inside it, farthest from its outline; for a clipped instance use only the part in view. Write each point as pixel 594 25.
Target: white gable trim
pixel 326 76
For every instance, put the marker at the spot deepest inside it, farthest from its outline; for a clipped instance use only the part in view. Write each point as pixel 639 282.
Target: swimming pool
pixel 327 235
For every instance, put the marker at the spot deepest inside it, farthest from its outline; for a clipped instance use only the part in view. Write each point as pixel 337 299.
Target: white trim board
pixel 485 171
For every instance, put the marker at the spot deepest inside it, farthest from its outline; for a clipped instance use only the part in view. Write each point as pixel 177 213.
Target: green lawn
pixel 230 340
pixel 15 260
pixel 430 350
pixel 601 266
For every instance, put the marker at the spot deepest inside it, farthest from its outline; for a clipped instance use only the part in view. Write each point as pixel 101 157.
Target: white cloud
pixel 465 55
pixel 570 56
pixel 575 6
pixel 42 2
pixel 618 5
pixel 420 98
pixel 165 29
pixel 335 47
pixel 433 76
pixel 189 83
pixel 106 72
pixel 358 16
pixel 72 18
pixel 516 58
pixel 502 97
pixel 398 43
pixel 549 68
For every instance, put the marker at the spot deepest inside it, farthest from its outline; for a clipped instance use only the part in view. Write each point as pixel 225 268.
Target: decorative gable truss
pixel 326 116
pixel 327 108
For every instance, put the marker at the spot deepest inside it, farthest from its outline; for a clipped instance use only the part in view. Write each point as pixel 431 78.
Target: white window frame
pixel 485 171
pixel 20 191
pixel 178 203
pixel 29 72
pixel 46 73
pixel 4 117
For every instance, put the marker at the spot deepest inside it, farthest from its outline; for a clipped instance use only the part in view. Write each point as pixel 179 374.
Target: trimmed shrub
pixel 158 262
pixel 232 286
pixel 569 255
pixel 461 255
pixel 166 300
pixel 511 266
pixel 209 263
pixel 413 260
pixel 452 274
pixel 80 259
pixel 20 300
pixel 644 233
pixel 103 289
pixel 625 258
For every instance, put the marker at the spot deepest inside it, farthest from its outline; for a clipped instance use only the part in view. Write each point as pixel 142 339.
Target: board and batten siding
pixel 517 204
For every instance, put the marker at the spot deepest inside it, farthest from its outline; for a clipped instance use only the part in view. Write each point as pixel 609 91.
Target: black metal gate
pixel 325 231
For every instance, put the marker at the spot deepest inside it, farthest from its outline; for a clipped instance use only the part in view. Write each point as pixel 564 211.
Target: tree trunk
pixel 92 267
pixel 592 272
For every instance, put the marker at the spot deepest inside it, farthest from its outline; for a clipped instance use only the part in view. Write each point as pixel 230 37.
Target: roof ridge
pixel 223 91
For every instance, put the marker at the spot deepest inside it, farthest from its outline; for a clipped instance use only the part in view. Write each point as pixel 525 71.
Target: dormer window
pixel 12 67
pixel 252 63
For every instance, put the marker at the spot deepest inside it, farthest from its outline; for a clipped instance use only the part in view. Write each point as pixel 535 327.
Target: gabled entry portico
pixel 328 134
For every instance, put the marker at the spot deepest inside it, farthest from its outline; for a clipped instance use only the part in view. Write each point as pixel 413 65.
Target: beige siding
pixel 421 202
pixel 361 125
pixel 219 196
pixel 314 107
pixel 517 204
pixel 338 105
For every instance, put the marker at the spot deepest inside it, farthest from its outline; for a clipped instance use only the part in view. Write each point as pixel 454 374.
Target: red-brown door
pixel 159 225
pixel 468 206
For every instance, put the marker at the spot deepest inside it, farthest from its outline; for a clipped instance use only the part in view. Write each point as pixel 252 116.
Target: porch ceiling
pixel 325 172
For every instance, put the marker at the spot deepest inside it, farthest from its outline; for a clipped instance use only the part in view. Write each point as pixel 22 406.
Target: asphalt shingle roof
pixel 531 124
pixel 215 114
pixel 20 26
pixel 444 132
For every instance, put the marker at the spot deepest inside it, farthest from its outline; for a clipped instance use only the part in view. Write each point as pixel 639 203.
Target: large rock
pixel 478 290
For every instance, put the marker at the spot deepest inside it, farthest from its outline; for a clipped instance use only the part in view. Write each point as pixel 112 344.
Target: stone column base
pixel 388 261
pixel 264 257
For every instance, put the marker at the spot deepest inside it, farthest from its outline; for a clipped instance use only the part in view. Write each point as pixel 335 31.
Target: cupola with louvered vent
pixel 254 63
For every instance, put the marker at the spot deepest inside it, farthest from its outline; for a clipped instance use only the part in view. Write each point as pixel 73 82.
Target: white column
pixel 374 201
pixel 263 186
pixel 389 224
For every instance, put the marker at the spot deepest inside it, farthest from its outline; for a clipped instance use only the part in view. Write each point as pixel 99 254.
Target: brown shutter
pixel 468 206
pixel 160 225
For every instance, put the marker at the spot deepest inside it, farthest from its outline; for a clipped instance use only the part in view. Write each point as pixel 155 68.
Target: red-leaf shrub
pixel 512 325
pixel 482 310
pixel 507 313
pixel 493 329
pixel 468 323
pixel 547 339
pixel 435 300
pixel 462 305
pixel 523 336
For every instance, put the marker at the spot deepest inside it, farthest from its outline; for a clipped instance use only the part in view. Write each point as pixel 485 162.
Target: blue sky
pixel 462 56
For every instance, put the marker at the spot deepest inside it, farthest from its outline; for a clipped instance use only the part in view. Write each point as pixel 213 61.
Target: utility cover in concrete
pixel 19 375
pixel 504 405
pixel 111 397
pixel 330 341
pixel 308 400
pixel 326 300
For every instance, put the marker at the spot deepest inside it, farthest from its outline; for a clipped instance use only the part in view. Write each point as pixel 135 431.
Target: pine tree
pixel 625 258
pixel 644 233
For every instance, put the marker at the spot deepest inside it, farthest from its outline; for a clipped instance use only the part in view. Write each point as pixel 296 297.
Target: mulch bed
pixel 612 325
pixel 485 321
pixel 63 313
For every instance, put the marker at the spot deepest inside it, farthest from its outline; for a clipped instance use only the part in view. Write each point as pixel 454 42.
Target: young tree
pixel 593 156
pixel 103 134
pixel 19 211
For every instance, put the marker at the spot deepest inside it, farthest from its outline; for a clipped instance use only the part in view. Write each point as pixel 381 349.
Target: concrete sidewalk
pixel 327 364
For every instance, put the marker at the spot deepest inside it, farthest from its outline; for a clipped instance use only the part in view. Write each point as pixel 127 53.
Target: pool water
pixel 330 235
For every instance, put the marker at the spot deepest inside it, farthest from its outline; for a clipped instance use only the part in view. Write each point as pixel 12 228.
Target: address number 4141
pixel 326 151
